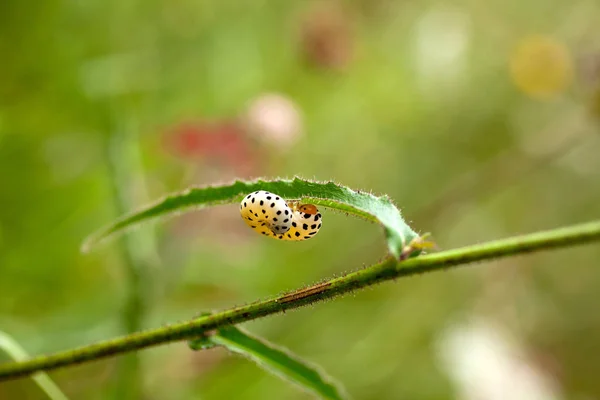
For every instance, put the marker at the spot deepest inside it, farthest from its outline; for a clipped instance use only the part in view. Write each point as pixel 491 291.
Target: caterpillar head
pixel 308 209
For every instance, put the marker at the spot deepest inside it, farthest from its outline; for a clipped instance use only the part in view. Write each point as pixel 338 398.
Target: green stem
pixel 386 270
pixel 17 353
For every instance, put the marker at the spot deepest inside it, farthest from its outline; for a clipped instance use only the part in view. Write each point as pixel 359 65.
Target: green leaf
pixel 17 353
pixel 330 195
pixel 274 359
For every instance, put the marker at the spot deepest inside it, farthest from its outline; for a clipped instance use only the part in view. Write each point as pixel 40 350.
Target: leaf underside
pixel 329 195
pixel 274 359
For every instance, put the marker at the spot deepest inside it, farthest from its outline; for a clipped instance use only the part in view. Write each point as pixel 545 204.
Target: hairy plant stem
pixel 389 269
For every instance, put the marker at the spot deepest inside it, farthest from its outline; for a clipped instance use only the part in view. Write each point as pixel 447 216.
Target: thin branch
pixel 16 352
pixel 386 270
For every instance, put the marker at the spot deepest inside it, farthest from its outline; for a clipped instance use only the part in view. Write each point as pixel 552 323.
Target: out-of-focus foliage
pixel 480 119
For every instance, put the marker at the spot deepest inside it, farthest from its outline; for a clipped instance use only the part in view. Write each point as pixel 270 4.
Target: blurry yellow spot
pixel 541 67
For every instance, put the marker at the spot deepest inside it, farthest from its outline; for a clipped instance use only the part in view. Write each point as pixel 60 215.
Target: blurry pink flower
pixel 275 120
pixel 223 143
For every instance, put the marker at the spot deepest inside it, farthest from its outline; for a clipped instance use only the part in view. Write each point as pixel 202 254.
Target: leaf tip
pixel 87 244
pixel 93 240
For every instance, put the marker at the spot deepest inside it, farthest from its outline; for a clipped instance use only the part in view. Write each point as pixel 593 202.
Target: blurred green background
pixel 479 118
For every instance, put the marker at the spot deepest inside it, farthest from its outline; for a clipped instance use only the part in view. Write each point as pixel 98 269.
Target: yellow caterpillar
pixel 270 215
